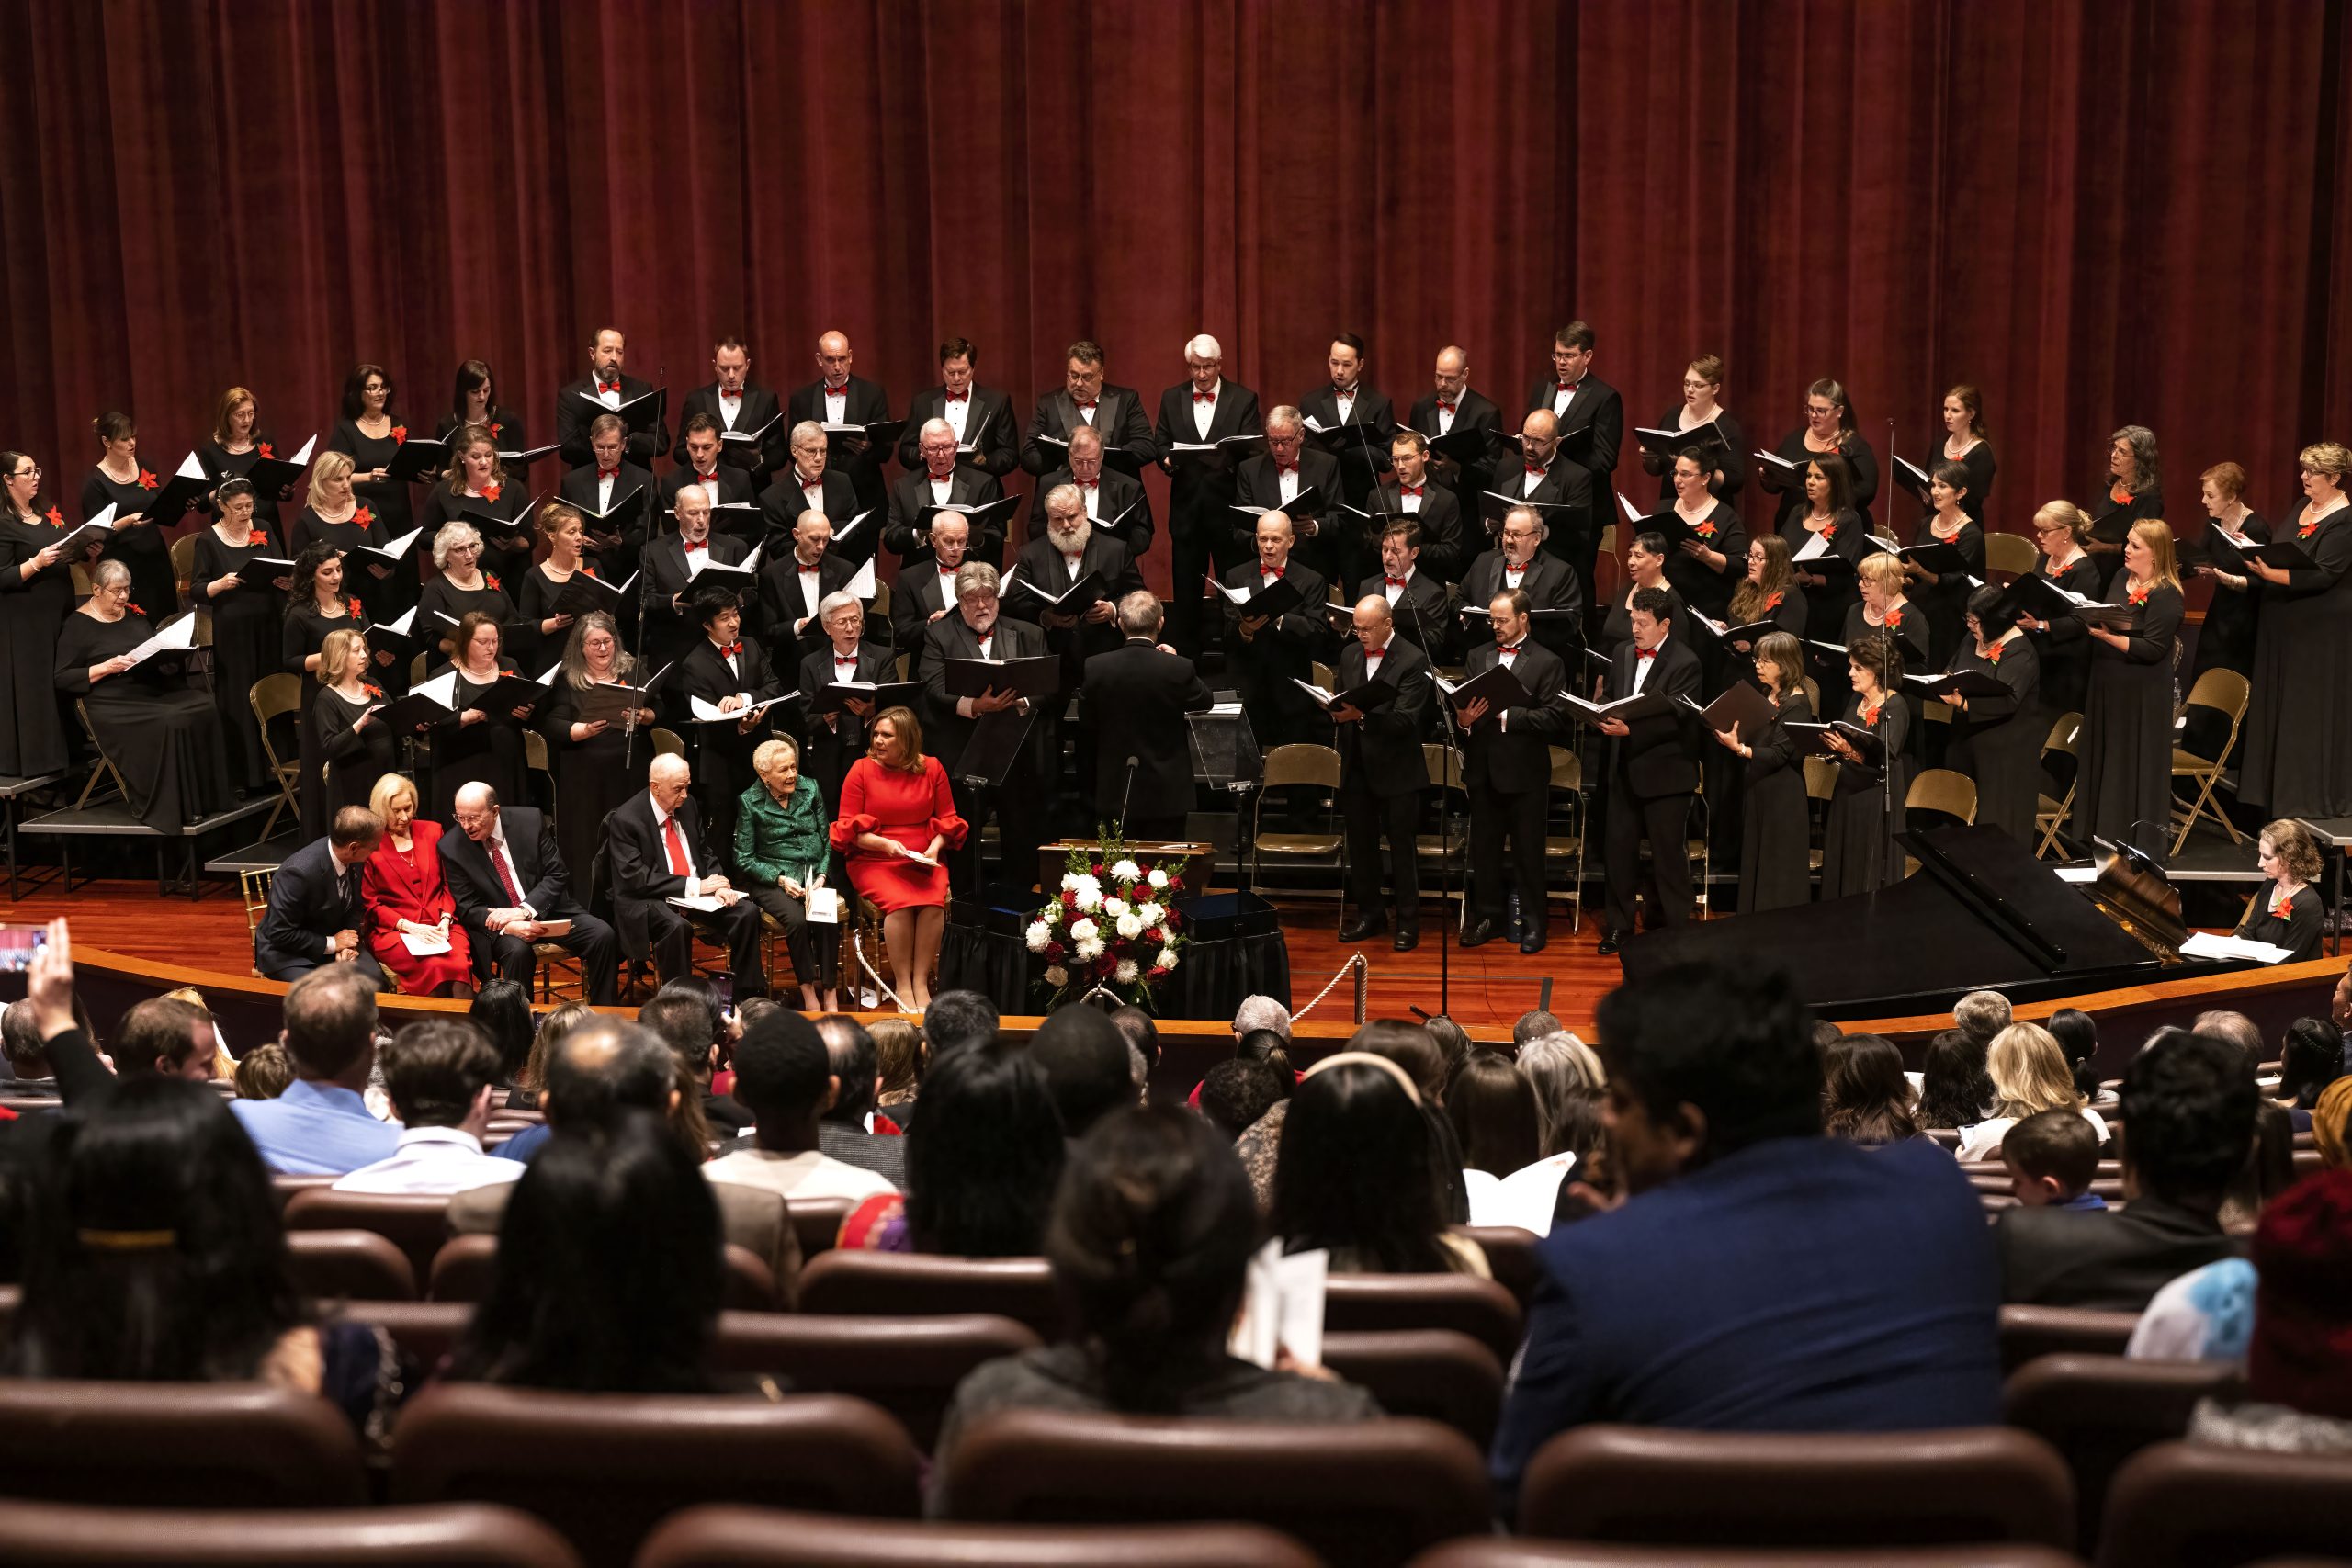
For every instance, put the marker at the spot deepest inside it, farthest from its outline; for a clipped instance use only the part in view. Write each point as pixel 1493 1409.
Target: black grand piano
pixel 1980 912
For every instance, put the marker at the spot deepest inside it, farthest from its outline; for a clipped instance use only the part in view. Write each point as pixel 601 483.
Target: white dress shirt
pixel 1530 483
pixel 943 491
pixel 810 1177
pixel 1446 416
pixel 730 405
pixel 604 491
pixel 837 404
pixel 1642 666
pixel 1286 483
pixel 956 411
pixel 811 491
pixel 1560 399
pixel 1205 413
pixel 1345 403
pixel 686 847
pixel 808 575
pixel 431 1160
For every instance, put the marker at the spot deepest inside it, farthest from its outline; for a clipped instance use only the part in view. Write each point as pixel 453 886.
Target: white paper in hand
pixel 1282 1308
pixel 824 906
pixel 1524 1198
pixel 707 904
pixel 1814 547
pixel 425 944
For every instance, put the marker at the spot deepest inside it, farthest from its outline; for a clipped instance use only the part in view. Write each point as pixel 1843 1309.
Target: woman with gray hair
pixel 163 738
pixel 462 587
pixel 1569 1080
pixel 2135 493
pixel 783 852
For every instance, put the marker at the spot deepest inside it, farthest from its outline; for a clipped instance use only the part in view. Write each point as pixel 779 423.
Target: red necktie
pixel 1646 653
pixel 608 473
pixel 1507 648
pixel 1413 490
pixel 1394 582
pixel 676 846
pixel 1205 397
pixel 958 397
pixel 505 877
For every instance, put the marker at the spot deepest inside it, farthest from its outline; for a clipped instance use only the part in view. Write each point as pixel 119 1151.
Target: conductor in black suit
pixel 974 629
pixel 1453 405
pixel 1507 765
pixel 1109 495
pixel 1652 772
pixel 735 403
pixel 980 416
pixel 316 915
pixel 606 383
pixel 940 481
pixel 1268 655
pixel 1381 771
pixel 836 397
pixel 1137 695
pixel 1591 415
pixel 1087 399
pixel 654 842
pixel 1274 481
pixel 1202 541
pixel 607 480
pixel 510 880
pixel 808 483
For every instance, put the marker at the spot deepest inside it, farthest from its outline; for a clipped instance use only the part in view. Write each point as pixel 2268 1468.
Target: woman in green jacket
pixel 781 850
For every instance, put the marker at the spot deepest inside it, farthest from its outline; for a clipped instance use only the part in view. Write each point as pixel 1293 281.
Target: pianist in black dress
pixel 566 533
pixel 2299 726
pixel 1943 596
pixel 1703 388
pixel 2134 494
pixel 120 481
pixel 1828 431
pixel 236 445
pixel 1967 443
pixel 369 432
pixel 1769 591
pixel 162 736
pixel 353 742
pixel 1705 566
pixel 333 514
pixel 474 401
pixel 474 480
pixel 2124 778
pixel 462 588
pixel 1859 850
pixel 597 762
pixel 2288 913
pixel 1826 523
pixel 1644 568
pixel 2061 530
pixel 1996 741
pixel 35 595
pixel 2225 639
pixel 315 605
pixel 248 623
pixel 484 746
pixel 1775 835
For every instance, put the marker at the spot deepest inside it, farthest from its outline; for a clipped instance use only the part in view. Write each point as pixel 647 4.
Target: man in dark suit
pixel 1381 771
pixel 510 882
pixel 837 739
pixel 1203 408
pixel 1508 766
pixel 2189 1105
pixel 1136 696
pixel 1714 1115
pixel 1452 405
pixel 738 408
pixel 1086 399
pixel 316 915
pixel 1410 492
pixel 1591 415
pixel 655 845
pixel 1276 481
pixel 1343 404
pixel 793 586
pixel 941 481
pixel 1652 772
pixel 615 498
pixel 806 483
pixel 730 672
pixel 1523 564
pixel 731 491
pixel 836 397
pixel 975 630
pixel 1267 655
pixel 925 590
pixel 670 572
pixel 980 416
pixel 1543 477
pixel 1417 601
pixel 1070 549
pixel 606 384
pixel 1109 494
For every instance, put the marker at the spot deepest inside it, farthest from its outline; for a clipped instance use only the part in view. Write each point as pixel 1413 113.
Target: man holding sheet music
pixel 808 484
pixel 1542 477
pixel 1653 770
pixel 1409 491
pixel 670 566
pixel 1275 630
pixel 750 418
pixel 1451 406
pixel 637 403
pixel 982 727
pixel 1415 600
pixel 1116 504
pixel 1069 582
pixel 844 406
pixel 836 734
pixel 1300 482
pixel 513 890
pixel 730 491
pixel 1352 419
pixel 980 416
pixel 1521 564
pixel 925 590
pixel 665 884
pixel 1509 711
pixel 614 496
pixel 1381 710
pixel 794 586
pixel 1086 399
pixel 727 688
pixel 1208 426
pixel 919 496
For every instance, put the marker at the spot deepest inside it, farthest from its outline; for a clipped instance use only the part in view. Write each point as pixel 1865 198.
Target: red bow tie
pixel 1444 407
pixel 817 483
pixel 692 549
pixel 608 386
pixel 959 397
pixel 730 650
pixel 1205 397
pixel 1507 648
pixel 1090 484
pixel 1394 582
pixel 840 392
pixel 1285 467
pixel 608 473
pixel 1372 653
pixel 732 397
pixel 1532 469
pixel 1570 386
pixel 1646 653
pixel 1510 570
pixel 710 479
pixel 1086 408
pixel 1413 490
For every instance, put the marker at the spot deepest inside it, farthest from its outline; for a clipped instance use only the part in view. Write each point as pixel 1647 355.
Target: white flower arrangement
pixel 1157 880
pixel 1083 930
pixel 1128 972
pixel 1038 934
pixel 1126 871
pixel 1130 926
pixel 1112 922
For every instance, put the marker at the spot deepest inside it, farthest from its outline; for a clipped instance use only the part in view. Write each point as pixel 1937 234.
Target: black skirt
pixel 163 735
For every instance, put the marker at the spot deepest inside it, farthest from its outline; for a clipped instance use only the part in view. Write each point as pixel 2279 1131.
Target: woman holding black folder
pixel 333 514
pixel 119 480
pixel 1828 518
pixel 598 761
pixel 1829 432
pixel 35 595
pixel 248 623
pixel 474 401
pixel 1858 851
pixel 370 434
pixel 462 587
pixel 2298 741
pixel 1769 591
pixel 2226 639
pixel 566 533
pixel 237 443
pixel 355 746
pixel 2134 494
pixel 1775 867
pixel 1967 443
pixel 1703 386
pixel 2061 531
pixel 2124 777
pixel 1943 596
pixel 1996 741
pixel 1705 566
pixel 1644 568
pixel 474 481
pixel 315 605
pixel 484 745
pixel 163 738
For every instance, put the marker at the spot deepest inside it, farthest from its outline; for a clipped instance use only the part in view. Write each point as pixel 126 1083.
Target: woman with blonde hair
pixel 475 485
pixel 784 856
pixel 408 903
pixel 897 815
pixel 333 514
pixel 2298 744
pixel 2029 1075
pixel 2123 779
pixel 598 750
pixel 2289 913
pixel 354 745
pixel 2061 530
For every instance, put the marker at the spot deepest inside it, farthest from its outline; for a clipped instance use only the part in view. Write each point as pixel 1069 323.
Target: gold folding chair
pixel 1299 765
pixel 2226 693
pixel 184 574
pixel 1943 791
pixel 254 887
pixel 276 696
pixel 2049 815
pixel 104 767
pixel 1567 851
pixel 2010 553
pixel 1820 784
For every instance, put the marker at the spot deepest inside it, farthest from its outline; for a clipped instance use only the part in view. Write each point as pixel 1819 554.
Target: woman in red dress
pixel 896 813
pixel 405 891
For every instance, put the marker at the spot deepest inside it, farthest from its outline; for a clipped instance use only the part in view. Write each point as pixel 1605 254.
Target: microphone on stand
pixel 1125 794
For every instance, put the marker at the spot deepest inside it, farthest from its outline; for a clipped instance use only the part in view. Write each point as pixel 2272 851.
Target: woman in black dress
pixel 353 746
pixel 481 747
pixel 1967 443
pixel 1644 568
pixel 370 434
pixel 162 737
pixel 1859 850
pixel 1943 596
pixel 475 481
pixel 1883 606
pixel 236 445
pixel 1769 591
pixel 2061 531
pixel 1827 524
pixel 1828 431
pixel 474 401
pixel 1703 386
pixel 35 595
pixel 598 764
pixel 2123 779
pixel 2288 913
pixel 2225 640
pixel 248 624
pixel 2134 494
pixel 138 541
pixel 1996 741
pixel 462 587
pixel 1706 566
pixel 2299 726
pixel 1775 868
pixel 566 534
pixel 333 514
pixel 315 605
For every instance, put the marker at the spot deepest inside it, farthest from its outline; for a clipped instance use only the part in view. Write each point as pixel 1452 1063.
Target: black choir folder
pixel 1499 686
pixel 1743 709
pixel 1035 677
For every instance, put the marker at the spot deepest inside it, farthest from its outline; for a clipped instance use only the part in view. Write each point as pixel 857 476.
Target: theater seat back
pixel 721 1537
pixel 1363 1304
pixel 2098 1411
pixel 230 1445
pixel 461 1535
pixel 904 1284
pixel 416 1224
pixel 2191 1505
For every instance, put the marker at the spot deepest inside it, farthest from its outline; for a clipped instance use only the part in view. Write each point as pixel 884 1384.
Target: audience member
pixel 532 1081
pixel 2299 1355
pixel 317 914
pixel 2077 1033
pixel 507 870
pixel 224 1066
pixel 1236 1093
pixel 2311 1058
pixel 1495 1114
pixel 695 1029
pixel 784 1076
pixel 1358 1174
pixel 1865 1097
pixel 2238 1030
pixel 442 1077
pixel 1142 1031
pixel 1531 1025
pixel 2269 1169
pixel 1414 1049
pixel 956 1018
pixel 1761 1277
pixel 321 1125
pixel 264 1072
pixel 845 1134
pixel 2052 1156
pixel 1568 1083
pixel 982 1163
pixel 501 1010
pixel 164 1034
pixel 2189 1107
pixel 1084 1058
pixel 2030 1073
pixel 31 1077
pixel 1981 1015
pixel 904 1056
pixel 1259 1148
pixel 1261 1012
pixel 1453 1042
pixel 2331 1125
pixel 1955 1088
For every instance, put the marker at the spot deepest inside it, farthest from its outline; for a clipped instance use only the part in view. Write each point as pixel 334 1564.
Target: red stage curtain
pixel 2102 212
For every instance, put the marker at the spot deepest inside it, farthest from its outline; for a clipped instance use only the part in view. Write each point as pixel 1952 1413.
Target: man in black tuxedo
pixel 316 915
pixel 730 491
pixel 1108 494
pixel 1073 548
pixel 941 481
pixel 730 672
pixel 1417 602
pixel 1543 477
pixel 794 586
pixel 1409 491
pixel 735 404
pixel 654 844
pixel 1508 766
pixel 1381 771
pixel 1339 406
pixel 1085 398
pixel 669 578
pixel 1276 480
pixel 837 739
pixel 1135 697
pixel 510 882
pixel 1522 564
pixel 836 397
pixel 808 482
pixel 925 590
pixel 1266 655
pixel 607 385
pixel 610 480
pixel 1205 407
pixel 1591 415
pixel 980 416
pixel 1452 405
pixel 975 630
pixel 1652 772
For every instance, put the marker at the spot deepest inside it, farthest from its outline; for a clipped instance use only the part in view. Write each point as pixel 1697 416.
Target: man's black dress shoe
pixel 1533 941
pixel 1610 942
pixel 1360 927
pixel 1478 932
pixel 1408 938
